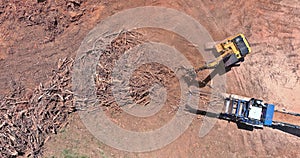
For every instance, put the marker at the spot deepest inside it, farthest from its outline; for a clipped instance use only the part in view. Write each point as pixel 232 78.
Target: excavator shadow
pixel 220 69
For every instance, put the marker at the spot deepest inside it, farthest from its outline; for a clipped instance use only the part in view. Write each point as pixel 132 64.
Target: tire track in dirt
pixel 274 32
pixel 225 139
pixel 270 46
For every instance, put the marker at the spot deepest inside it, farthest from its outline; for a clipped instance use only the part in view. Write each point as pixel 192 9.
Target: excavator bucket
pixel 210 45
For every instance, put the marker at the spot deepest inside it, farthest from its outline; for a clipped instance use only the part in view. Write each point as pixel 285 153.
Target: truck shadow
pixel 217 116
pixel 287 128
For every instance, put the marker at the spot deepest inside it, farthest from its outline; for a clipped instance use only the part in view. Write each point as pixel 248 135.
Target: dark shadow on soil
pixel 218 116
pixel 218 70
pixel 288 129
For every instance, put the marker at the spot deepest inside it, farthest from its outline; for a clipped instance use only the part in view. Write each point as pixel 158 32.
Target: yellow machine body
pixel 232 51
pixel 229 45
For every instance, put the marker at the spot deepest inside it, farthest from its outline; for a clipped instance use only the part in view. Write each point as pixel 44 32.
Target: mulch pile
pixel 142 78
pixel 124 42
pixel 26 123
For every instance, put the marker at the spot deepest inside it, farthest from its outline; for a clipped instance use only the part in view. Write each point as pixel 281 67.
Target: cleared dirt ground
pixel 34 36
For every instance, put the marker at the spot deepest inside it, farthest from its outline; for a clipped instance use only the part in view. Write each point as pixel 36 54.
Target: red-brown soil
pixel 34 36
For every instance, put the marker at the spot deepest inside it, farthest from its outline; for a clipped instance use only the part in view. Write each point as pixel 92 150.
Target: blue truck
pixel 248 111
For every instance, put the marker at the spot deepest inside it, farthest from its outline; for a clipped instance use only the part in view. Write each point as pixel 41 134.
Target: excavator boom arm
pixel 216 62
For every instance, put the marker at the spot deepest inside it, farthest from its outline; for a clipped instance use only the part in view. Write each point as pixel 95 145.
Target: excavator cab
pixel 232 51
pixel 235 47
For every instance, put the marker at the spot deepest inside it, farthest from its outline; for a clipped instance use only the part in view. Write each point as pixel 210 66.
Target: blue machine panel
pixel 269 115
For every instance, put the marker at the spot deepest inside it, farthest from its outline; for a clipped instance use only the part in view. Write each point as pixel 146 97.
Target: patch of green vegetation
pixel 103 154
pixel 67 153
pixel 63 130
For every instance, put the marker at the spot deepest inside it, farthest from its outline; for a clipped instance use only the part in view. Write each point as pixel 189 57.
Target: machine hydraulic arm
pixel 231 51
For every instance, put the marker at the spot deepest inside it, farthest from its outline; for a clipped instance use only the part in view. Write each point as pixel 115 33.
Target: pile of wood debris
pixel 26 123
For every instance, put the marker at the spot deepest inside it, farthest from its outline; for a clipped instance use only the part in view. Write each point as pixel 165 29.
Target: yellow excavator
pixel 232 51
pixel 248 113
